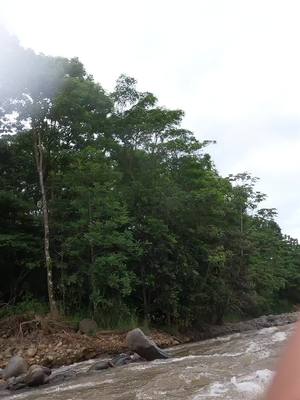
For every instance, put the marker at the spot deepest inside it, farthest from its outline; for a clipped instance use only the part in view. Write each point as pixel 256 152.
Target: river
pixel 237 366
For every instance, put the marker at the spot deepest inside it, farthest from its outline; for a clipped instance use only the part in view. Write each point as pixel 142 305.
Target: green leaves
pixel 140 220
pixel 99 234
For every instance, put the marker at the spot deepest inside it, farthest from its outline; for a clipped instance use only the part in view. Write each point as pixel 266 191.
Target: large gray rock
pixel 37 375
pixel 16 366
pixel 88 326
pixel 143 346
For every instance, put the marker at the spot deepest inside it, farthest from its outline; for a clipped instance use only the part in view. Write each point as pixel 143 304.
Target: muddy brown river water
pixel 232 367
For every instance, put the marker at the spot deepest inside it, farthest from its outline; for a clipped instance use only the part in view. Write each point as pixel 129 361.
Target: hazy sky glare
pixel 232 65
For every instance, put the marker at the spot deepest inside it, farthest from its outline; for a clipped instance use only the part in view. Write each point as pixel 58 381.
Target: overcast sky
pixel 232 65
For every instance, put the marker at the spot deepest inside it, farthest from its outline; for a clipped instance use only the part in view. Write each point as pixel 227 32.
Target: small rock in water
pixel 121 359
pixel 136 358
pixel 100 365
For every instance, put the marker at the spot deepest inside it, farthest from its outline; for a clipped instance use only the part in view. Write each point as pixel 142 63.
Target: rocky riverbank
pixel 67 347
pixel 265 321
pixel 19 375
pixel 52 344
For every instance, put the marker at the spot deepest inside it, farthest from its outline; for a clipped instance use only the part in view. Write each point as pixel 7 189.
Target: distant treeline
pixel 109 207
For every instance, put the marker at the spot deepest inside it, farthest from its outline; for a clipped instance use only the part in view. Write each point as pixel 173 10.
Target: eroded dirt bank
pixel 54 343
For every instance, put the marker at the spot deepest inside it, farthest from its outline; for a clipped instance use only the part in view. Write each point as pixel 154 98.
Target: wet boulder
pixel 16 382
pixel 117 361
pixel 121 359
pixel 88 326
pixel 139 343
pixel 37 375
pixel 16 366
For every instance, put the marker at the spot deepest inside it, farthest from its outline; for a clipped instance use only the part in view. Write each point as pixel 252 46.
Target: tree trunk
pixel 38 149
pixel 242 232
pixel 144 291
pixel 92 259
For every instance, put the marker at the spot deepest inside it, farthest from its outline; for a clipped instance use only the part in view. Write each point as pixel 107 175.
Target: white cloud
pixel 232 65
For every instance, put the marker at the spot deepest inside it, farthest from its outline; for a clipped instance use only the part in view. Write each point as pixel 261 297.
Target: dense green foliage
pixel 141 224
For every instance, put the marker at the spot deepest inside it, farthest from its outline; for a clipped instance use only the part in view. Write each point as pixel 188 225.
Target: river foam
pixel 251 384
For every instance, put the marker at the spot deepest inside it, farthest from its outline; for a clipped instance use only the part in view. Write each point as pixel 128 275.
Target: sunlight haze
pixel 232 66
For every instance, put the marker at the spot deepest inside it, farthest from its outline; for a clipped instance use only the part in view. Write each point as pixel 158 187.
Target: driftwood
pixel 36 321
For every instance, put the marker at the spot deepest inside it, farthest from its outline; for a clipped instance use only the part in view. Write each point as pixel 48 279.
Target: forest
pixel 109 208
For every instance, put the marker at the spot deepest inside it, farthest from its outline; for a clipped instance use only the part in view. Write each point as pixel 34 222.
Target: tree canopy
pixel 111 208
